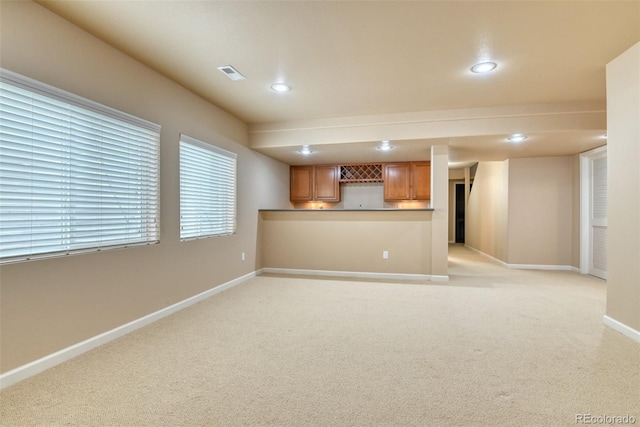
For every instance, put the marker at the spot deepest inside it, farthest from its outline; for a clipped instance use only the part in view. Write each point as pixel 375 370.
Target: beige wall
pixel 48 305
pixel 347 241
pixel 523 211
pixel 456 174
pixel 575 210
pixel 487 214
pixel 623 151
pixel 540 211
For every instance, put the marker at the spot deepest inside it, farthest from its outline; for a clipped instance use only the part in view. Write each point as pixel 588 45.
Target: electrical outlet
pixel 385 254
pixel 242 256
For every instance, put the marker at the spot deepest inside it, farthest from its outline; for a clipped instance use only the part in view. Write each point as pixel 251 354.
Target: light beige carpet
pixel 491 347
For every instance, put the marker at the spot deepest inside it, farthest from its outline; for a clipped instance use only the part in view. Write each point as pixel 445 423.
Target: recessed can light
pixel 280 87
pixel 305 150
pixel 517 137
pixel 484 67
pixel 385 145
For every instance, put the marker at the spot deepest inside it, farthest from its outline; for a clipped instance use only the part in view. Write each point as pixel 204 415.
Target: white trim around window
pixel 207 190
pixel 75 176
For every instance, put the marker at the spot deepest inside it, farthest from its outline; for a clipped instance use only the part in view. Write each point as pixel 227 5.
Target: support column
pixel 440 216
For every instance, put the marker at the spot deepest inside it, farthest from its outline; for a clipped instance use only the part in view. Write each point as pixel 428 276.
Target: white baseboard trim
pixel 540 267
pixel 37 366
pixel 494 259
pixel 622 328
pixel 355 274
pixel 526 266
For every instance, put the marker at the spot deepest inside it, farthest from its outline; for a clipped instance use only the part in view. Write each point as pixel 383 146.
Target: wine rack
pixel 361 172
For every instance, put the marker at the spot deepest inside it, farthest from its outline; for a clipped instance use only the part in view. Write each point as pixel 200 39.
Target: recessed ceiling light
pixel 385 145
pixel 517 137
pixel 280 87
pixel 484 67
pixel 305 150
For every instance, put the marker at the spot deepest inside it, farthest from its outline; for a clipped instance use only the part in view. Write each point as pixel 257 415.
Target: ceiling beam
pixel 432 125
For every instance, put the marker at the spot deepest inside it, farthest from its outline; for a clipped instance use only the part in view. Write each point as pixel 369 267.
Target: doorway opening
pixel 459 212
pixel 593 212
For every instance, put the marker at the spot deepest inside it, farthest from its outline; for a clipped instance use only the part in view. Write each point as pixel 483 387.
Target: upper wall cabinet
pixel 421 181
pixel 301 183
pixel 397 181
pixel 407 181
pixel 327 183
pixel 315 183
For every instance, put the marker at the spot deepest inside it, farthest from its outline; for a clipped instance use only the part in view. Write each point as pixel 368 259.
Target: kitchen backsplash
pixel 363 196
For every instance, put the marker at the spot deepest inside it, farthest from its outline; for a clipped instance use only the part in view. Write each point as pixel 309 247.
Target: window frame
pixel 192 229
pixel 104 130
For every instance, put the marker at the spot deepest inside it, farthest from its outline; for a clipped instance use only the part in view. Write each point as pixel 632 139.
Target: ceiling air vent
pixel 231 72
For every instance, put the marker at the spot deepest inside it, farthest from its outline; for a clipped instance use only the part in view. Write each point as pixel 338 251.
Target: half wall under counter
pixel 348 243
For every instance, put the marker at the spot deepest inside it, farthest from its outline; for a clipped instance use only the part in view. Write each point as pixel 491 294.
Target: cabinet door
pixel 397 181
pixel 301 183
pixel 327 183
pixel 421 181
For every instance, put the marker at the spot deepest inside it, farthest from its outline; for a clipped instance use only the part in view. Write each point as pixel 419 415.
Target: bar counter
pixel 347 242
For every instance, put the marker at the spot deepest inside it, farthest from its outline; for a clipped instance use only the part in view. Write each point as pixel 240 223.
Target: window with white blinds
pixel 75 176
pixel 207 190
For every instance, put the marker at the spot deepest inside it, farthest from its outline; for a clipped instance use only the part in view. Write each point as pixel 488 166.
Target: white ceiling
pixel 361 71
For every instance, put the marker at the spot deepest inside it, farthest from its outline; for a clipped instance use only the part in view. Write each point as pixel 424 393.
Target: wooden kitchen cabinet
pixel 397 181
pixel 407 181
pixel 327 183
pixel 301 183
pixel 421 180
pixel 315 183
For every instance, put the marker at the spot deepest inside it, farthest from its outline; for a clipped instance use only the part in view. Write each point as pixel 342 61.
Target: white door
pixel 594 218
pixel 598 258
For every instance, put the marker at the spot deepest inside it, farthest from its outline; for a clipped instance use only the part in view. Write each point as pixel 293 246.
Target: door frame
pixel 586 175
pixel 455 207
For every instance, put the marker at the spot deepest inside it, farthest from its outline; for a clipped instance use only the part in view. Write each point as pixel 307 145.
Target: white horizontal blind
pixel 207 190
pixel 75 176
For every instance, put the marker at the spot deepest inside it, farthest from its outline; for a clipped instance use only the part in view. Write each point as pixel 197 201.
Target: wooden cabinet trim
pixel 408 181
pixel 401 181
pixel 314 183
